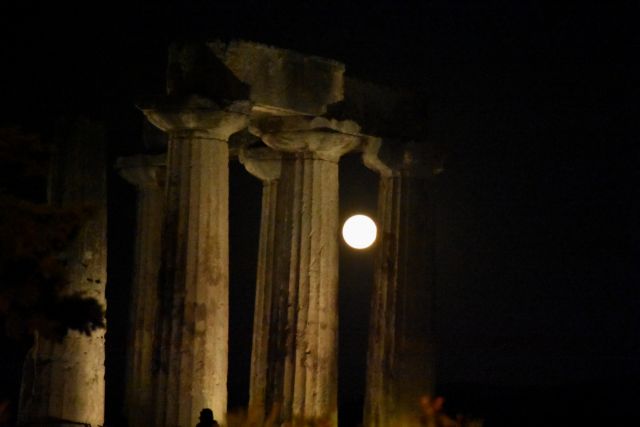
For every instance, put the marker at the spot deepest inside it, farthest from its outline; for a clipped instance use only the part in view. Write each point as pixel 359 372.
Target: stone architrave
pixel 63 382
pixel 146 173
pixel 400 359
pixel 192 340
pixel 303 274
pixel 282 81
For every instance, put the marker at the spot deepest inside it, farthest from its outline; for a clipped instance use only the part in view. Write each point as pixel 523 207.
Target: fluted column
pixel 264 164
pixel 303 324
pixel 192 339
pixel 400 360
pixel 65 380
pixel 146 173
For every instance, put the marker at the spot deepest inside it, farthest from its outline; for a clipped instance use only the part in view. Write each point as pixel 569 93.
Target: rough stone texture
pixel 65 381
pixel 193 69
pixel 146 173
pixel 401 359
pixel 192 338
pixel 281 79
pixel 314 137
pixel 302 273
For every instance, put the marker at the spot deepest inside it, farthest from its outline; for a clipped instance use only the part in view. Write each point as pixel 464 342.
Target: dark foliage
pixel 34 294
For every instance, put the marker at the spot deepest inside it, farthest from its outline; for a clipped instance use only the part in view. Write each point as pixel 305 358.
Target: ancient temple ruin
pixel 66 380
pixel 288 118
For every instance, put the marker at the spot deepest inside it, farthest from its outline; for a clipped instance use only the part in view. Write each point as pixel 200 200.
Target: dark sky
pixel 535 102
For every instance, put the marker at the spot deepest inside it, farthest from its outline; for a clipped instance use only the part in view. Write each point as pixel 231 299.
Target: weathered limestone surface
pixel 400 360
pixel 193 69
pixel 281 79
pixel 146 173
pixel 192 338
pixel 65 381
pixel 274 79
pixel 299 269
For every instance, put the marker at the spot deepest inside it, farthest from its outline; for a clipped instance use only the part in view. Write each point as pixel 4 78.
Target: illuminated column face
pixel 192 342
pixel 303 325
pixel 359 231
pixel 146 173
pixel 65 379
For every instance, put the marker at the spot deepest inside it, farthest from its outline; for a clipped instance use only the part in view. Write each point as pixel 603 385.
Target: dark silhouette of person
pixel 206 419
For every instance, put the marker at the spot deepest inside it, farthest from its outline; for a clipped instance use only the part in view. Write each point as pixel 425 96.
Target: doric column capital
pixel 320 137
pixel 143 171
pixel 390 158
pixel 263 162
pixel 195 114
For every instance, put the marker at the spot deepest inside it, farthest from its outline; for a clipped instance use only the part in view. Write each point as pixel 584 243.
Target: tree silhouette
pixel 33 238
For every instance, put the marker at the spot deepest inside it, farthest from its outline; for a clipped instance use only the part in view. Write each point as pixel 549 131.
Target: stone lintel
pixel 192 68
pixel 321 138
pixel 281 78
pixel 197 114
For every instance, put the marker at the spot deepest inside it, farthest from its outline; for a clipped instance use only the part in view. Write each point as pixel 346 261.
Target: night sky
pixel 536 212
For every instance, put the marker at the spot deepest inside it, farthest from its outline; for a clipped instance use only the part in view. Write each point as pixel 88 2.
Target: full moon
pixel 359 231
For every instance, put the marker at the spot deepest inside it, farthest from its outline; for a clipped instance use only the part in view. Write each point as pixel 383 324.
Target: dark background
pixel 537 231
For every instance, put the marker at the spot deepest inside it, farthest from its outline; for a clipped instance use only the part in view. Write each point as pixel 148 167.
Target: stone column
pixel 146 173
pixel 400 360
pixel 303 275
pixel 192 341
pixel 64 381
pixel 264 164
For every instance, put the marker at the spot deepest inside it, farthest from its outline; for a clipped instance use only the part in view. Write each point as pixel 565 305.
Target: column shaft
pixel 315 209
pixel 145 173
pixel 400 361
pixel 305 312
pixel 193 340
pixel 294 355
pixel 260 400
pixel 302 366
pixel 65 380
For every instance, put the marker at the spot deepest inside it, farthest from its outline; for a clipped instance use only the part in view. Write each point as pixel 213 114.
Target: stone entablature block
pixel 282 79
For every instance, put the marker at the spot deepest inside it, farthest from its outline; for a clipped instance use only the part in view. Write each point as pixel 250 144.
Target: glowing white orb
pixel 359 231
